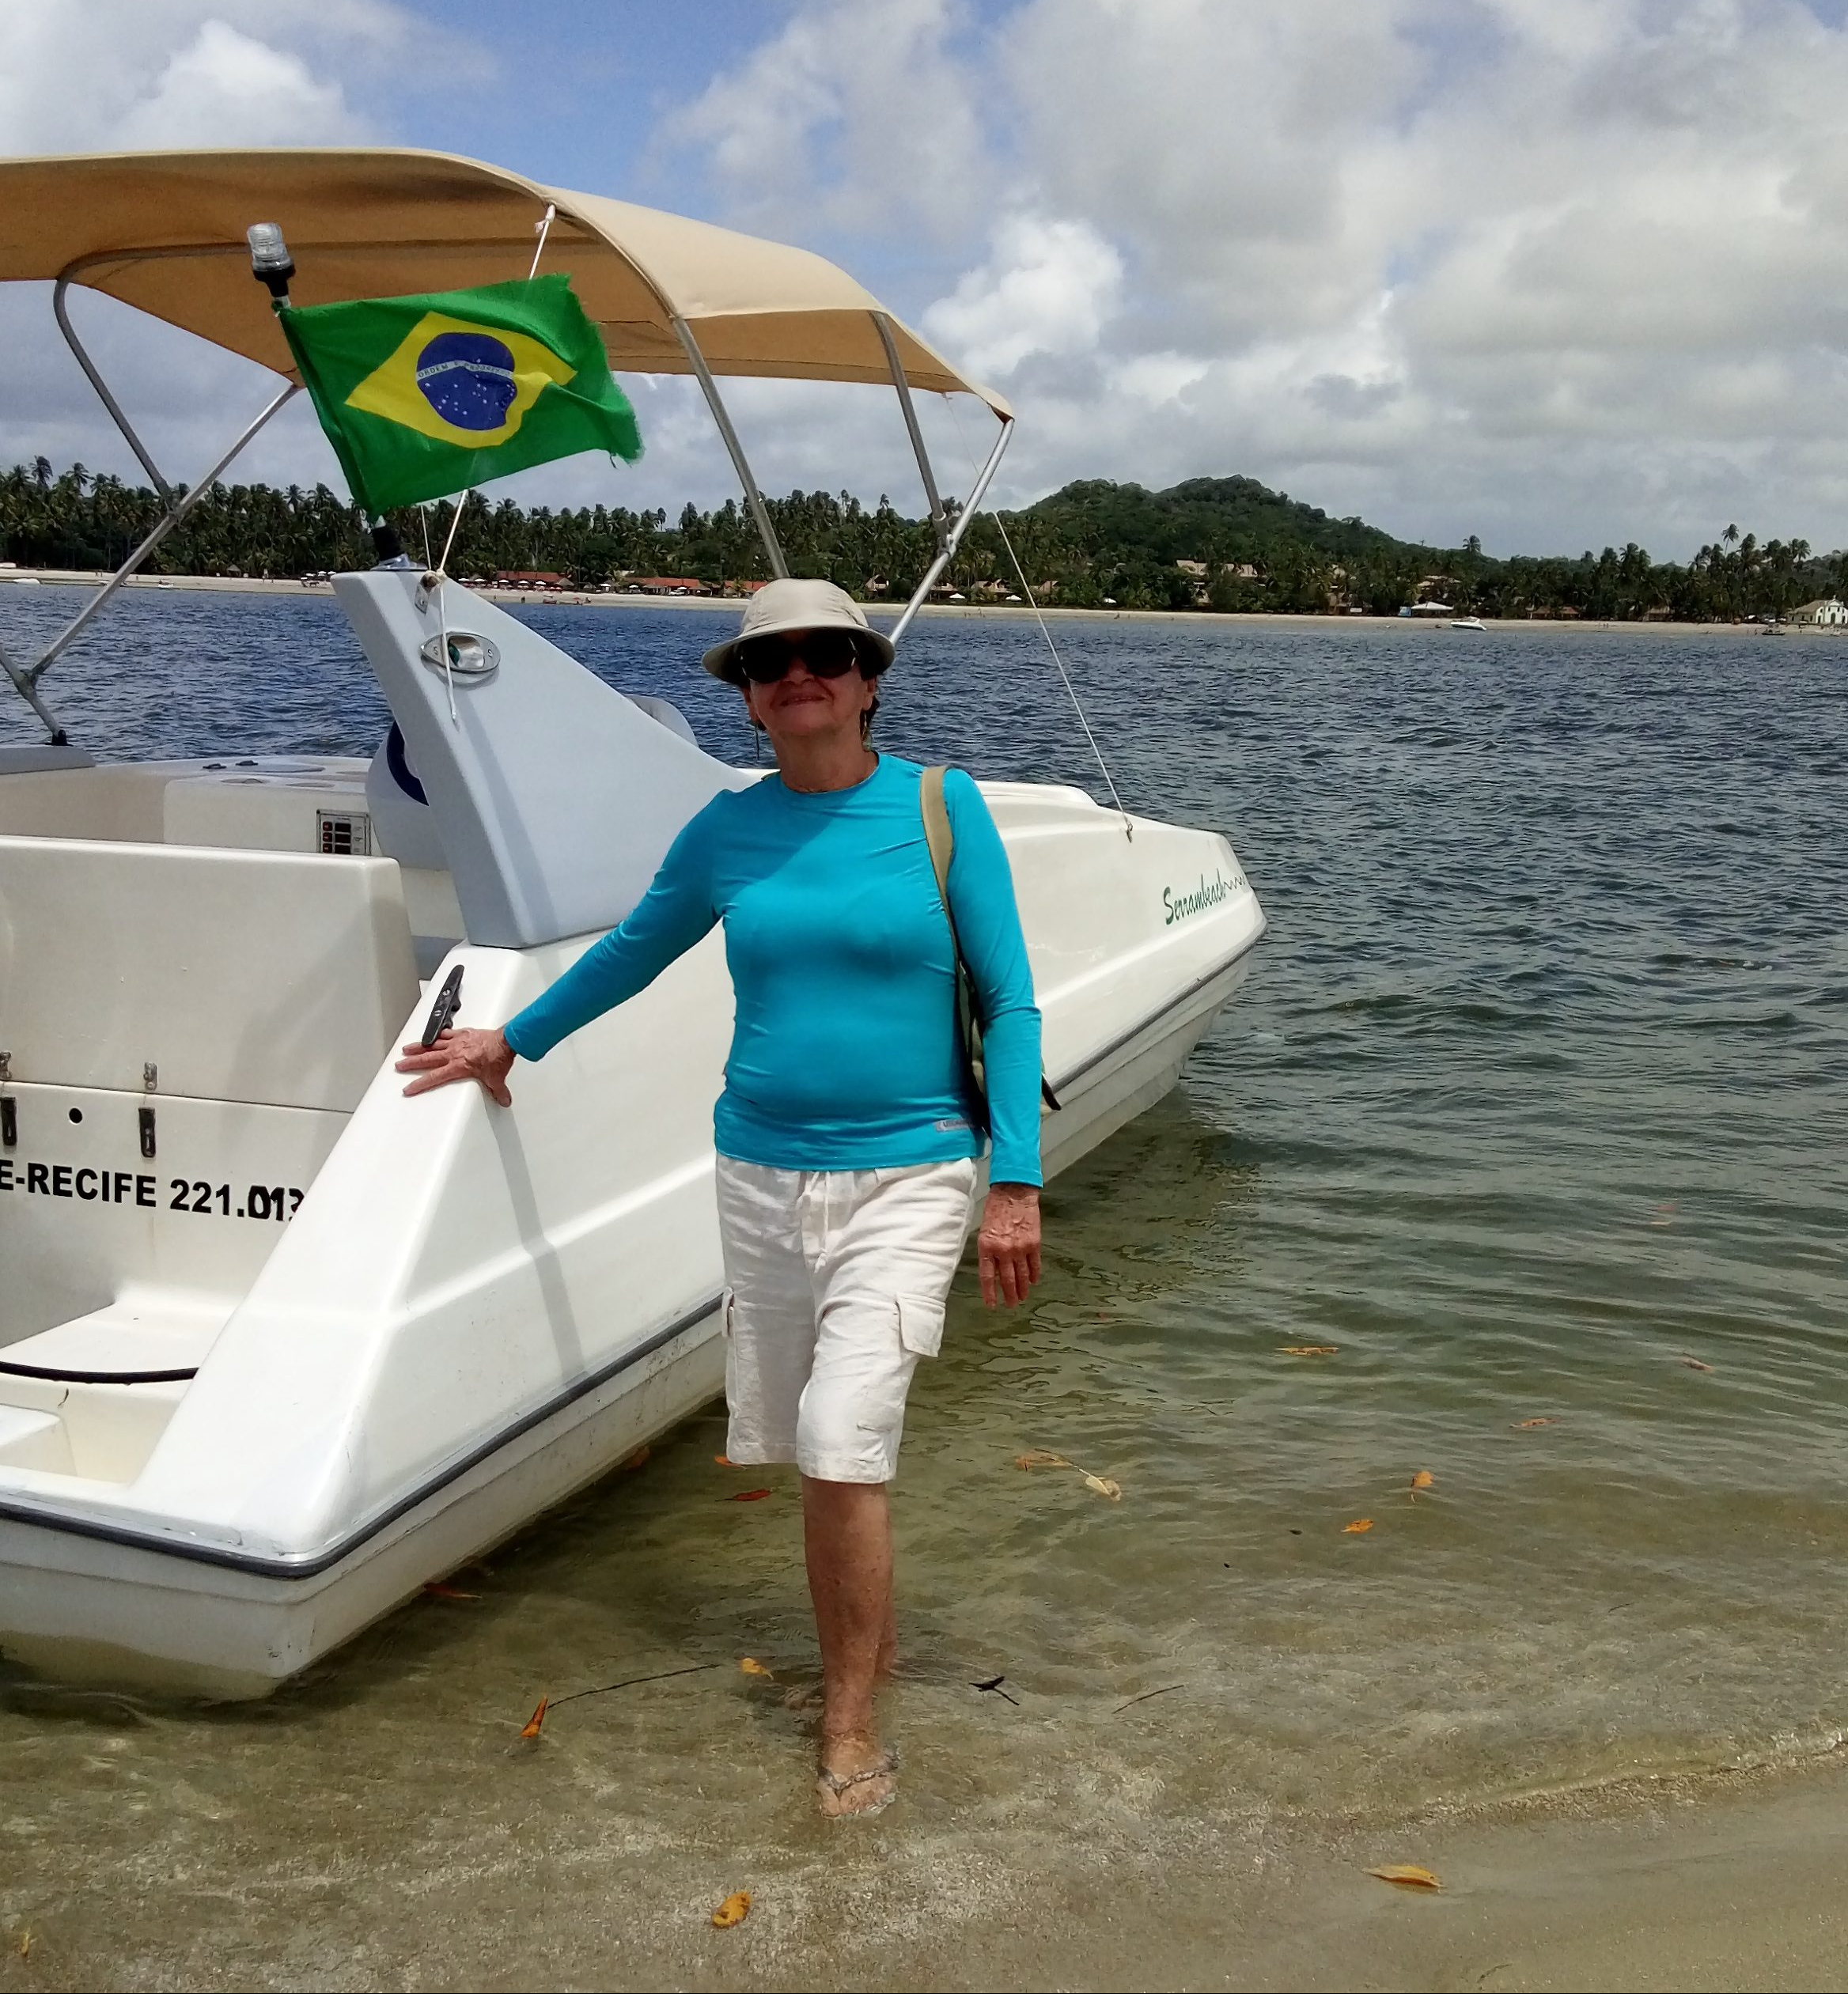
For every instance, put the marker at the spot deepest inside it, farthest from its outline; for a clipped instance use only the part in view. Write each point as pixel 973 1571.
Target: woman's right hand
pixel 461 1054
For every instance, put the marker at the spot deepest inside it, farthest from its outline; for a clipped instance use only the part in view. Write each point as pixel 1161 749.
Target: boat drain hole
pixel 76 1114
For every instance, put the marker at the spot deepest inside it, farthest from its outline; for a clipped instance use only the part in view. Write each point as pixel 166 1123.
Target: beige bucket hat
pixel 795 604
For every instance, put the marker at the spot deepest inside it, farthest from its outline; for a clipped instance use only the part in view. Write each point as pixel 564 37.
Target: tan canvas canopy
pixel 165 231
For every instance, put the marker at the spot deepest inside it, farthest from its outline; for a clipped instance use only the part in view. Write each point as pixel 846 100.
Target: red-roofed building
pixel 667 584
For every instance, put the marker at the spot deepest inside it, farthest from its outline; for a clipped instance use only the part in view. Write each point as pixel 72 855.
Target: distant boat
pixel 1467 623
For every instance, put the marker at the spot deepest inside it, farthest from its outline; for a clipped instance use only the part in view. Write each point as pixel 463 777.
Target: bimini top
pixel 165 231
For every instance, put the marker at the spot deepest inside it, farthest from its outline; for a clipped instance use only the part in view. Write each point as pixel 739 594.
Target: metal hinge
pixel 150 1079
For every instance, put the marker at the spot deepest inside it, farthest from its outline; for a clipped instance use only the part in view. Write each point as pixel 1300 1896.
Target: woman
pixel 847 1134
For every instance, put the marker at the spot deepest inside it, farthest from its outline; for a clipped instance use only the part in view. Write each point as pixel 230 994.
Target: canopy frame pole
pixel 766 532
pixel 97 381
pixel 163 527
pixel 22 684
pixel 978 492
pixel 939 525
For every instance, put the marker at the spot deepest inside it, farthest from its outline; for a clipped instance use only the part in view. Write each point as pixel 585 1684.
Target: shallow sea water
pixel 1534 1091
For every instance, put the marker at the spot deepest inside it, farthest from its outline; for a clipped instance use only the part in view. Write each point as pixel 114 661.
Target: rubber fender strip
pixel 1073 1075
pixel 97 1377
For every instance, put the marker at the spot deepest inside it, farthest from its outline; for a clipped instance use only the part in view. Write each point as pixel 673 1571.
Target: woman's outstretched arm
pixel 675 912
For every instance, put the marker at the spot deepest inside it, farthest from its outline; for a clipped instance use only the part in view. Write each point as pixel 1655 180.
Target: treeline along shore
pixel 1211 545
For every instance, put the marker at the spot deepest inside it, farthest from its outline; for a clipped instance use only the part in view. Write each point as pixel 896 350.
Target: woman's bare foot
pixel 857 1775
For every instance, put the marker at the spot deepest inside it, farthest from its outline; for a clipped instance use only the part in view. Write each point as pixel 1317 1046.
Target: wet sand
pixel 1713 1881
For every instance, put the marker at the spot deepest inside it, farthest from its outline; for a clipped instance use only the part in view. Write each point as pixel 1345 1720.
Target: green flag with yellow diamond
pixel 422 397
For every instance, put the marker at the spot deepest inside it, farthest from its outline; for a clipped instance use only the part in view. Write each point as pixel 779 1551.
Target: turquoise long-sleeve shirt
pixel 845 1050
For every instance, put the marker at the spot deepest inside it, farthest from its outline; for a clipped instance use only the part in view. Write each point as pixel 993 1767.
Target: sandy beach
pixel 999 612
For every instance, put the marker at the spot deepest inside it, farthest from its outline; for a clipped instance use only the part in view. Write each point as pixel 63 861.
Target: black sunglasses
pixel 828 654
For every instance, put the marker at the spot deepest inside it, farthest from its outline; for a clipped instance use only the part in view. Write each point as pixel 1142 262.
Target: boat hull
pixel 105 1604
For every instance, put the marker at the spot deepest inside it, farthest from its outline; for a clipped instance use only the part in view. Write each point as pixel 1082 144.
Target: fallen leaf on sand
pixel 1357 1526
pixel 721 1461
pixel 749 1495
pixel 1408 1876
pixel 433 1591
pixel 636 1460
pixel 1103 1487
pixel 1695 1364
pixel 735 1909
pixel 1522 1425
pixel 1309 1350
pixel 530 1728
pixel 1423 1479
pixel 1040 1457
pixel 25 1945
pixel 751 1665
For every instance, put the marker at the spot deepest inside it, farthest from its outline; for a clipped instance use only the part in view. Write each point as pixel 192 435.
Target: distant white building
pixel 1826 611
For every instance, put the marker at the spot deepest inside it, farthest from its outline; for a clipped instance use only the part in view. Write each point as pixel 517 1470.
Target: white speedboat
pixel 278 1346
pixel 1467 623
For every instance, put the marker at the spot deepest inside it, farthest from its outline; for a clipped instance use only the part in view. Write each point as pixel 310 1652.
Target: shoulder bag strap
pixel 941 840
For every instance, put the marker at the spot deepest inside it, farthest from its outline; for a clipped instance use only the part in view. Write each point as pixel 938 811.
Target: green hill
pixel 1206 519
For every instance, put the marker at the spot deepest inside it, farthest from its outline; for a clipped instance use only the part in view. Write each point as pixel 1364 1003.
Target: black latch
pixel 150 1079
pixel 442 1013
pixel 9 1122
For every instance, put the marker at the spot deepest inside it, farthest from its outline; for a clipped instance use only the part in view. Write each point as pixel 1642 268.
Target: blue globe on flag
pixel 467 378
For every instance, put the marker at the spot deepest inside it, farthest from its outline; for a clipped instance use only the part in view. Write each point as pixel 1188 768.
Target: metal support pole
pixel 102 388
pixel 169 519
pixel 978 492
pixel 28 692
pixel 753 496
pixel 938 523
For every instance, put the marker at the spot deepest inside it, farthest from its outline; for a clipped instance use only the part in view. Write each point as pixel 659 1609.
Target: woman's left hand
pixel 1008 1246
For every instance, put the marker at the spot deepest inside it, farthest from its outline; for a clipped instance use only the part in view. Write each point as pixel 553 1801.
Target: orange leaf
pixel 1408 1876
pixel 735 1909
pixel 1360 1525
pixel 1040 1457
pixel 751 1665
pixel 1522 1425
pixel 1695 1364
pixel 1309 1350
pixel 636 1460
pixel 721 1461
pixel 749 1495
pixel 436 1592
pixel 530 1728
pixel 1424 1479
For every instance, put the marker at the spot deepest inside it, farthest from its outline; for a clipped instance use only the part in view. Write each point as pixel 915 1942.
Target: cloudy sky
pixel 1555 272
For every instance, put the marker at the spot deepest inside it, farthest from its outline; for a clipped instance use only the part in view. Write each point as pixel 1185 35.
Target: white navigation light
pixel 270 260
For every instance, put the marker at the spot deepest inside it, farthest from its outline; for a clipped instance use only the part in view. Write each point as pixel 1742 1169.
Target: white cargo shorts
pixel 835 1282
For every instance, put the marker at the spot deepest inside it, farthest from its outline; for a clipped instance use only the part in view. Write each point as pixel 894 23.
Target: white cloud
pixel 1047 287
pixel 1553 270
pixel 243 91
pixel 116 75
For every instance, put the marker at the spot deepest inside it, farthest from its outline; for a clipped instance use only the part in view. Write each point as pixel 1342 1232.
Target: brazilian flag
pixel 424 396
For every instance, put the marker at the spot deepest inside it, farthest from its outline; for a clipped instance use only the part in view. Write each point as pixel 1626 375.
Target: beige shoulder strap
pixel 937 834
